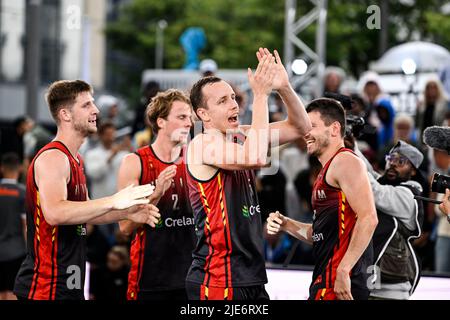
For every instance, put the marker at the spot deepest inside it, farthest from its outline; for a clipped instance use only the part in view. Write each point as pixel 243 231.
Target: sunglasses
pixel 399 161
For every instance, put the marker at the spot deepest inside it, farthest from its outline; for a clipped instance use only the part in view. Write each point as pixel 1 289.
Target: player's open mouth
pixel 233 119
pixel 310 142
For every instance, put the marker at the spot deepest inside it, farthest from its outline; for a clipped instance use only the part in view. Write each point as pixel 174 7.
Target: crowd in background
pixel 288 190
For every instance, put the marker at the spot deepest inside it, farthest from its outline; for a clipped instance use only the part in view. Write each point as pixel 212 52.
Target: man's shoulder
pixel 346 159
pixel 414 186
pixel 52 156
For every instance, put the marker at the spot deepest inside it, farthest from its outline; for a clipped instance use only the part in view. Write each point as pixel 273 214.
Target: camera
pixel 354 125
pixel 440 182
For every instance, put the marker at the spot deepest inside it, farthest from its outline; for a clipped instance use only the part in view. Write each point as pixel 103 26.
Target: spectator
pixel 97 247
pixel 293 159
pixel 208 67
pixel 444 76
pixel 102 162
pixel 110 282
pixel 12 224
pixel 432 109
pixel 13 140
pixel 386 115
pixel 112 110
pixel 304 184
pixel 333 79
pixel 403 130
pixel 372 93
pixel 400 219
pixel 102 165
pixel 151 88
pixel 277 110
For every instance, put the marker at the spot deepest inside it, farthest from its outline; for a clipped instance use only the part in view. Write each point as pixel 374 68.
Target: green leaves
pixel 236 28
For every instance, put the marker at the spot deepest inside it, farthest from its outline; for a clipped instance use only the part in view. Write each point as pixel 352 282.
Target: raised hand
pixel 281 79
pixel 275 222
pixel 261 81
pixel 164 180
pixel 144 213
pixel 131 196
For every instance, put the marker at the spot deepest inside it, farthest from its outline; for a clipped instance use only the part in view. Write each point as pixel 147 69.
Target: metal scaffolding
pixel 316 59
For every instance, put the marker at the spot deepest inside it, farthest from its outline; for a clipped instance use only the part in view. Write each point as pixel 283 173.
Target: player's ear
pixel 161 123
pixel 64 114
pixel 335 129
pixel 203 114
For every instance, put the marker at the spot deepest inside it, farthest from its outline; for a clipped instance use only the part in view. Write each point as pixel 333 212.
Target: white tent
pixel 428 57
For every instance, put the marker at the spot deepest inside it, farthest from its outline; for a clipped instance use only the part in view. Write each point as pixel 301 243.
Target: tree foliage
pixel 236 28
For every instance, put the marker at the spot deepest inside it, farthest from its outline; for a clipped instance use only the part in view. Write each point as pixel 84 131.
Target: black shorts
pixel 8 273
pixel 163 295
pixel 201 292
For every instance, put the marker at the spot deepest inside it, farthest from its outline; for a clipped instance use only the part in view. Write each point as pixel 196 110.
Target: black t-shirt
pixel 428 116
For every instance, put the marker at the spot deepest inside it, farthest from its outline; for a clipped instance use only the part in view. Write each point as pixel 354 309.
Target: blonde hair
pixel 441 92
pixel 161 104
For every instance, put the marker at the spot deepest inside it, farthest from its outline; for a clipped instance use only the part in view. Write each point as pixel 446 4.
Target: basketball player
pixel 160 257
pixel 344 210
pixel 228 261
pixel 57 205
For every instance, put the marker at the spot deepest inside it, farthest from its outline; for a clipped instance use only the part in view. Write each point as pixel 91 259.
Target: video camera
pixel 440 182
pixel 354 125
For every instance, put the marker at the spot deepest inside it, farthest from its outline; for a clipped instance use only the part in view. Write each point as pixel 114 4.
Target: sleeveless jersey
pixel 161 256
pixel 54 267
pixel 229 251
pixel 333 224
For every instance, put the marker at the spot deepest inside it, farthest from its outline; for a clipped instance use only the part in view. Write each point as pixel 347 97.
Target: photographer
pixel 400 218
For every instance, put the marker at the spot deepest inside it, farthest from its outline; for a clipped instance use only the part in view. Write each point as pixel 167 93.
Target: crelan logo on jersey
pixel 247 212
pixel 172 222
pixel 320 194
pixel 159 224
pixel 81 230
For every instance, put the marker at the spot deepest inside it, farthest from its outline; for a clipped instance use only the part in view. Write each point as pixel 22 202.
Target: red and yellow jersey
pixel 333 224
pixel 54 267
pixel 229 251
pixel 161 256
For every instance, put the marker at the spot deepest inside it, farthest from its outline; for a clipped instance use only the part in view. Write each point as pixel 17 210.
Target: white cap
pixel 105 102
pixel 208 65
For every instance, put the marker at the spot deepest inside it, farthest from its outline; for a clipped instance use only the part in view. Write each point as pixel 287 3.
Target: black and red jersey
pixel 54 267
pixel 229 251
pixel 333 224
pixel 161 256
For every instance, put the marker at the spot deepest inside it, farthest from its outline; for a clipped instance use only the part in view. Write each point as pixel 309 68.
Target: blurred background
pixel 391 56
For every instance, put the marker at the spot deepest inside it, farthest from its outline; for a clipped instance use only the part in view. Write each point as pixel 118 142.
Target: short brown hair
pixel 330 111
pixel 63 93
pixel 197 93
pixel 161 105
pixel 10 161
